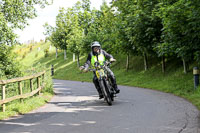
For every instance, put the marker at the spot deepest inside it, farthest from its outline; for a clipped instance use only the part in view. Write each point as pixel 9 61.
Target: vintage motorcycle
pixel 104 79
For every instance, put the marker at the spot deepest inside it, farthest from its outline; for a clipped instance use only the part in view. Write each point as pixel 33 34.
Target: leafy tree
pixel 194 28
pixel 123 42
pixel 63 28
pixel 18 12
pixel 13 15
pixel 106 28
pixel 52 36
pixel 146 29
pixel 9 67
pixel 140 27
pixel 77 33
pixel 72 26
pixel 101 29
pixel 92 31
pixel 180 34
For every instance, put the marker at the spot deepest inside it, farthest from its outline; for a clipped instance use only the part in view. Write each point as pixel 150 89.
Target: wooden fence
pixel 3 83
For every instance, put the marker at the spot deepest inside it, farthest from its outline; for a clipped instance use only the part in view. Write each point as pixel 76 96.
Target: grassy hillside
pixel 28 55
pixel 173 81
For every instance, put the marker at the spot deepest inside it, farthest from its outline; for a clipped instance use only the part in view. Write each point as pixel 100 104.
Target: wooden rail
pixel 21 96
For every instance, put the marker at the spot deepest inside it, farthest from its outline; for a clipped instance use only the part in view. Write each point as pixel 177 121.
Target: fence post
pixel 4 97
pixel 52 70
pixel 20 90
pixel 196 77
pixel 38 84
pixel 42 80
pixel 31 84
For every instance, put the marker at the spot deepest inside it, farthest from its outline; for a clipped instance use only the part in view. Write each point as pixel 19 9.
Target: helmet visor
pixel 95 49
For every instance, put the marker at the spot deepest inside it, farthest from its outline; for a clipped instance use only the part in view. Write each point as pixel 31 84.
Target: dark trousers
pixel 111 76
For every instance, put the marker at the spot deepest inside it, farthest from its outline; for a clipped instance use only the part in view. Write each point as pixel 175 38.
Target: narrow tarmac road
pixel 76 109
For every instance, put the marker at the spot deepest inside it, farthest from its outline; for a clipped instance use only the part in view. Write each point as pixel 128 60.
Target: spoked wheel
pixel 110 89
pixel 106 92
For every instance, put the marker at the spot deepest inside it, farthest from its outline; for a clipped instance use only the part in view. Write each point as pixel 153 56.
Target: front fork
pixel 108 78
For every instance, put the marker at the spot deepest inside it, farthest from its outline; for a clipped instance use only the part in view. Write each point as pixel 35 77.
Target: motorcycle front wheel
pixel 106 92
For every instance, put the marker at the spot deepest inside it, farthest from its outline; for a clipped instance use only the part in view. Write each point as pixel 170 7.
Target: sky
pixel 35 28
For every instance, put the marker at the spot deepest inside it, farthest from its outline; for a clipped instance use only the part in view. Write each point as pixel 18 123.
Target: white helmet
pixel 95 44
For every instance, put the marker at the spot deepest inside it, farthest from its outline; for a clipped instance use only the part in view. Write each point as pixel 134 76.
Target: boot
pixel 100 93
pixel 115 85
pixel 100 96
pixel 117 90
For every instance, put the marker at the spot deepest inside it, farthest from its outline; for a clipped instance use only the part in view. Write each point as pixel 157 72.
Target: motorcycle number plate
pixel 99 73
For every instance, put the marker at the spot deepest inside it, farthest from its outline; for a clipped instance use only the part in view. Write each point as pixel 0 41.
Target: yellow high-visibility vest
pixel 101 59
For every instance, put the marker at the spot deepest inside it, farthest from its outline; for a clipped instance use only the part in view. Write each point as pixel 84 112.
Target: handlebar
pixel 106 63
pixel 97 65
pixel 93 70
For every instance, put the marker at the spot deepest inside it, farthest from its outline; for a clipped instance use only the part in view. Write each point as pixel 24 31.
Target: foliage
pixel 138 27
pixel 8 66
pixel 13 15
pixel 46 52
pixel 17 13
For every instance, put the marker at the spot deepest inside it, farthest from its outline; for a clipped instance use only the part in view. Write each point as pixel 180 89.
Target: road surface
pixel 76 109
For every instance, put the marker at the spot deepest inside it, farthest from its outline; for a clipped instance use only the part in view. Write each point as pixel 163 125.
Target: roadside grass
pixel 16 107
pixel 172 81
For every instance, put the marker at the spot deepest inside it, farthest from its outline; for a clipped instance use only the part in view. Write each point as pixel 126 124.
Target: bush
pixel 36 55
pixel 9 67
pixel 30 48
pixel 24 54
pixel 47 78
pixel 46 52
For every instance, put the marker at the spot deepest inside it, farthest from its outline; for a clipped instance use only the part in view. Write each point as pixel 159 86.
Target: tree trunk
pixel 163 64
pixel 74 57
pixel 145 62
pixel 78 60
pixel 65 55
pixel 56 53
pixel 185 66
pixel 127 62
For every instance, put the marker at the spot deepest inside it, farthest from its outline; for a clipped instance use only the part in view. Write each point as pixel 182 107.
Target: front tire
pixel 106 92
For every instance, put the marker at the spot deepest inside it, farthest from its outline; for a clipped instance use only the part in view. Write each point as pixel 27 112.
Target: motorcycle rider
pixel 98 54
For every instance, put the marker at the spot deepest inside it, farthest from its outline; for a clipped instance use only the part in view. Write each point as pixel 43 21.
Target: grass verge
pixel 29 104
